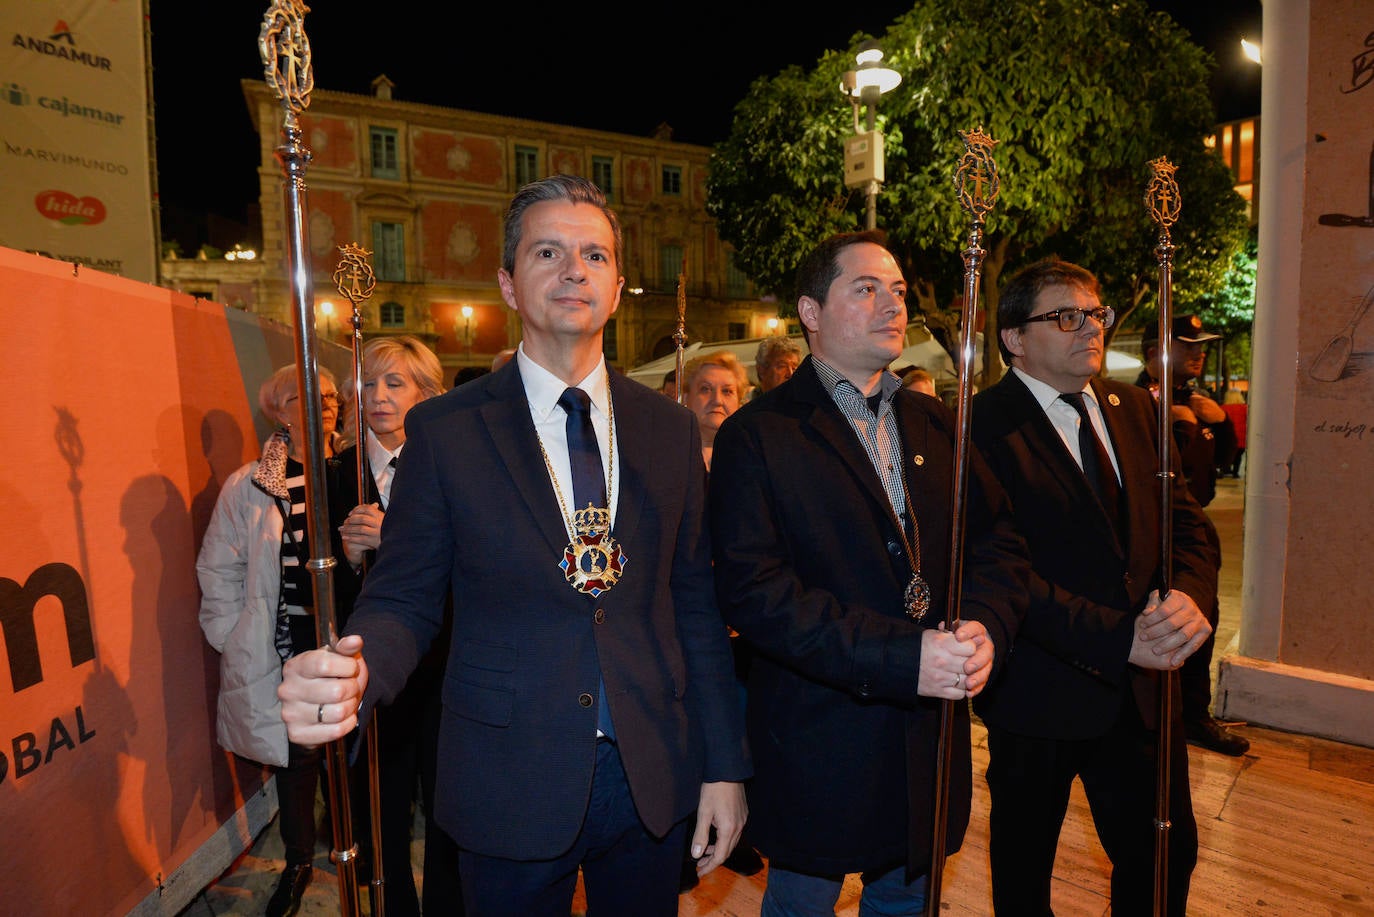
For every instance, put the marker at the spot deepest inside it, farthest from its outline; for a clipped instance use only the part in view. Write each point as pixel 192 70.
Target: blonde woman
pixel 715 387
pixel 398 373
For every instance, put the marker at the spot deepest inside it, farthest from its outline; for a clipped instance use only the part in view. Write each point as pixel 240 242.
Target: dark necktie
pixel 385 498
pixel 1097 464
pixel 589 486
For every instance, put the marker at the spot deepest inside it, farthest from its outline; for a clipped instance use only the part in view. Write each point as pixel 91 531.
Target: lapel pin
pixel 1114 401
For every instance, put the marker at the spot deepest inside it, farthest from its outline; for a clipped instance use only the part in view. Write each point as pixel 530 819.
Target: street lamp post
pixel 327 308
pixel 863 152
pixel 464 329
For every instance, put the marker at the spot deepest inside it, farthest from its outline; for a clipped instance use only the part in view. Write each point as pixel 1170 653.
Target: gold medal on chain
pixel 593 561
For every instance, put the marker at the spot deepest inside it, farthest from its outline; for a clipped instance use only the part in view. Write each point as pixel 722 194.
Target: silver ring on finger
pixel 958 677
pixel 319 714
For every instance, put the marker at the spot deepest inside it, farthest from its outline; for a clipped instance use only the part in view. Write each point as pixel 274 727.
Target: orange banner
pixel 128 406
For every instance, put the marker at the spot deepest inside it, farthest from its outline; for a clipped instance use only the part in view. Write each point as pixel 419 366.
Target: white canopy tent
pixel 922 350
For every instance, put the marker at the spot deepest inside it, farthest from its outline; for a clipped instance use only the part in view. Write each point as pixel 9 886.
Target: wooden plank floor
pixel 1286 830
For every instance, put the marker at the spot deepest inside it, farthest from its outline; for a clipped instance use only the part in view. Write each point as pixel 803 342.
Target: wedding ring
pixel 957 677
pixel 319 714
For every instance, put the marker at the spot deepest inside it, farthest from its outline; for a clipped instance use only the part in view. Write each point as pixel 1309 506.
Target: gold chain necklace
pixel 592 561
pixel 916 596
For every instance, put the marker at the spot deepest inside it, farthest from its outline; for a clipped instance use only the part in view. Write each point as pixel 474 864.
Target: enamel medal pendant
pixel 593 561
pixel 917 597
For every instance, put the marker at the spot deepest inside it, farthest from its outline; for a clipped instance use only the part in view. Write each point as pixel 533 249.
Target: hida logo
pixel 68 209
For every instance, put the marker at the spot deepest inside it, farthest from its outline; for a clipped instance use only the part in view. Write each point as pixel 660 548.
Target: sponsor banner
pixel 133 404
pixel 137 405
pixel 74 134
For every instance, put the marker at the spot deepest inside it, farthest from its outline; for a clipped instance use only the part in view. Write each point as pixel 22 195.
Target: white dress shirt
pixel 1066 420
pixel 542 390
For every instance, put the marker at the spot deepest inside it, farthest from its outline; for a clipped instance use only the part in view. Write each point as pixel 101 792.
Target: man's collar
pixel 888 384
pixel 1045 395
pixel 543 388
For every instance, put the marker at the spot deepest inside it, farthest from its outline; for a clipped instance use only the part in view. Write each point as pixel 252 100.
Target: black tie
pixel 584 454
pixel 589 486
pixel 1097 464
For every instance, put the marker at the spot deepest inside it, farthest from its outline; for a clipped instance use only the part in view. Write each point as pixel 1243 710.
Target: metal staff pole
pixel 977 184
pixel 285 52
pixel 355 281
pixel 1164 203
pixel 680 335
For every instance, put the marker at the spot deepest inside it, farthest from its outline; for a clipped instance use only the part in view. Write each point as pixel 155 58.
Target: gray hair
pixel 770 348
pixel 570 188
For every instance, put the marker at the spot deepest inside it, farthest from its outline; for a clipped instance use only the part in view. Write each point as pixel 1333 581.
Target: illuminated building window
pixel 393 315
pixel 385 163
pixel 603 174
pixel 672 180
pixel 526 165
pixel 669 266
pixel 389 251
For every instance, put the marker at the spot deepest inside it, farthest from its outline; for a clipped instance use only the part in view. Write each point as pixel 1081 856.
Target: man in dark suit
pixel 589 696
pixel 830 516
pixel 1079 695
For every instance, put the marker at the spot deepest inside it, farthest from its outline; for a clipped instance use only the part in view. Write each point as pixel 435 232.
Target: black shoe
pixel 1209 733
pixel 744 860
pixel 286 900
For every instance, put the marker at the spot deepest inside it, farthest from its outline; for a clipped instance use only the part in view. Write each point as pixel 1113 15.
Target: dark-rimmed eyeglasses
pixel 1072 319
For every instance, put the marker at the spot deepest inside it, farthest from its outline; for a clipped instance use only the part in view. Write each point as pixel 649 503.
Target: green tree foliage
pixel 1079 94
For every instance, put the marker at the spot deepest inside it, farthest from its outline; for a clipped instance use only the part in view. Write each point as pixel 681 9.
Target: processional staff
pixel 680 335
pixel 1163 201
pixel 355 281
pixel 977 184
pixel 285 52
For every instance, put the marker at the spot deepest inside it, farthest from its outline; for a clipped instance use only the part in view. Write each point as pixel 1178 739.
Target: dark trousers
pixel 625 870
pixel 407 732
pixel 1029 780
pixel 443 892
pixel 297 784
pixel 1195 676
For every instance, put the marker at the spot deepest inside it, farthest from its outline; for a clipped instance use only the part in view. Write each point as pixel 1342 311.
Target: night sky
pixel 614 67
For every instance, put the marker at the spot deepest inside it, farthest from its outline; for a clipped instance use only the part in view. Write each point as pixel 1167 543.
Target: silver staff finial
pixel 976 180
pixel 285 51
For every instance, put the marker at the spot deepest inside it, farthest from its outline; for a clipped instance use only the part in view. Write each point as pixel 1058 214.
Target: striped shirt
pixel 873 420
pixel 295 579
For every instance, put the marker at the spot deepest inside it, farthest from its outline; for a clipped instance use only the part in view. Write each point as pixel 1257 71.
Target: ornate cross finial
pixel 353 278
pixel 1162 196
pixel 976 180
pixel 285 53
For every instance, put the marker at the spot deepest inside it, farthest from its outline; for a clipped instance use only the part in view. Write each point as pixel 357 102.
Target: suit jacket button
pixel 600 616
pixel 894 549
pixel 584 699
